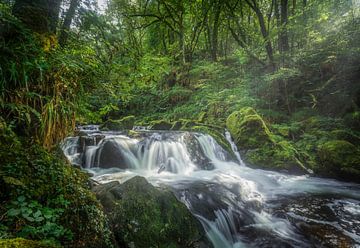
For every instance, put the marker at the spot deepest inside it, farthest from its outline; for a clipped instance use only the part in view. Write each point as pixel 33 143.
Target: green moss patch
pixel 43 198
pixel 23 243
pixel 145 216
pixel 339 158
pixel 125 123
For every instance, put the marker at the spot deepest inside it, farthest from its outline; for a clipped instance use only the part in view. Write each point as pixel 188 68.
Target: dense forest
pixel 270 85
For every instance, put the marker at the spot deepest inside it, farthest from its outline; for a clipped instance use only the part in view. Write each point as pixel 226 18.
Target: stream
pixel 238 206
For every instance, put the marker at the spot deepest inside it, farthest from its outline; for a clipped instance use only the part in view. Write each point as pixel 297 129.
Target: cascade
pixel 238 206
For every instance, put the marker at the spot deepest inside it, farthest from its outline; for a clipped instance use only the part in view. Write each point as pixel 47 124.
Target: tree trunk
pixel 64 33
pixel 284 40
pixel 215 31
pixel 41 16
pixel 264 31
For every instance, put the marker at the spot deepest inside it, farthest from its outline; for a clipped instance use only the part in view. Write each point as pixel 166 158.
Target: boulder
pixel 220 139
pixel 110 155
pixel 197 154
pixel 160 125
pixel 339 158
pixel 144 216
pixel 260 147
pixel 248 129
pixel 119 125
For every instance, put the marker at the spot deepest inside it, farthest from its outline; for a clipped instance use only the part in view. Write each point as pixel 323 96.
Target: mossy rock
pixel 339 158
pixel 77 218
pixel 248 129
pixel 125 123
pixel 260 147
pixel 281 156
pixel 160 125
pixel 144 216
pixel 220 139
pixel 24 243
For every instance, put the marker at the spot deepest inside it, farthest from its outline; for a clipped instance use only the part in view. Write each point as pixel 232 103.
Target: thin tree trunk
pixel 64 33
pixel 215 31
pixel 284 40
pixel 264 31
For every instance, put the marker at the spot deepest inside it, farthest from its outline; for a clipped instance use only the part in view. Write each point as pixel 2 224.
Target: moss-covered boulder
pixel 24 243
pixel 260 147
pixel 125 123
pixel 219 137
pixel 339 158
pixel 160 125
pixel 44 198
pixel 144 216
pixel 248 129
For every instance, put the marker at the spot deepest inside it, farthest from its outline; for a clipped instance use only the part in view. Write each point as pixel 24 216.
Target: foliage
pixel 45 199
pixel 23 243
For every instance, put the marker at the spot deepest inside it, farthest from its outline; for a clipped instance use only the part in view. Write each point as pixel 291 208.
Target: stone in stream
pixel 110 155
pixel 142 215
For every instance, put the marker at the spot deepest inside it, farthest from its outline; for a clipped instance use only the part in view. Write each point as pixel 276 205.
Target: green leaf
pixel 37 214
pixel 21 198
pixel 13 212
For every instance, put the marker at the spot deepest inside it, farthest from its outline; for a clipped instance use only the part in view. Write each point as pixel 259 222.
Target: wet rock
pixel 248 129
pixel 260 147
pixel 119 125
pixel 109 155
pixel 197 155
pixel 145 216
pixel 339 158
pixel 85 141
pixel 160 125
pixel 220 139
pixel 325 235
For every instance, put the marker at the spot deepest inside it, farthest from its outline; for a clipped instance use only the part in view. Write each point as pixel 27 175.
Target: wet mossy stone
pixel 160 125
pixel 260 147
pixel 110 155
pixel 248 129
pixel 197 154
pixel 220 139
pixel 144 216
pixel 125 123
pixel 339 158
pixel 24 243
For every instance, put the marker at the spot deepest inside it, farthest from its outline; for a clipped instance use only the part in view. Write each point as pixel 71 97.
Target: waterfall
pixel 238 206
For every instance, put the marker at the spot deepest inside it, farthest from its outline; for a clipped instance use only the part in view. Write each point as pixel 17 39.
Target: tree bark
pixel 215 31
pixel 64 33
pixel 268 46
pixel 284 40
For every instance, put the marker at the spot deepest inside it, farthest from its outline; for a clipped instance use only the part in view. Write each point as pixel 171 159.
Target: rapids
pixel 238 206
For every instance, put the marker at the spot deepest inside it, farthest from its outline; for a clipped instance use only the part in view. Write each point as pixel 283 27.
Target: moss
pixel 339 158
pixel 47 185
pixel 118 125
pixel 160 125
pixel 145 216
pixel 248 129
pixel 220 139
pixel 23 243
pixel 279 156
pixel 260 146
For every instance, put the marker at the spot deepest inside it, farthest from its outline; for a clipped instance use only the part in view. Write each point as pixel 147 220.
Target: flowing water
pixel 238 206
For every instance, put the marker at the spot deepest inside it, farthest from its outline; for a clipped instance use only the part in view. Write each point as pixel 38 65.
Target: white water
pixel 238 206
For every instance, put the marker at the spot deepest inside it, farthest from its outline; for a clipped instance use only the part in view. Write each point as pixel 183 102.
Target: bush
pixel 43 198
